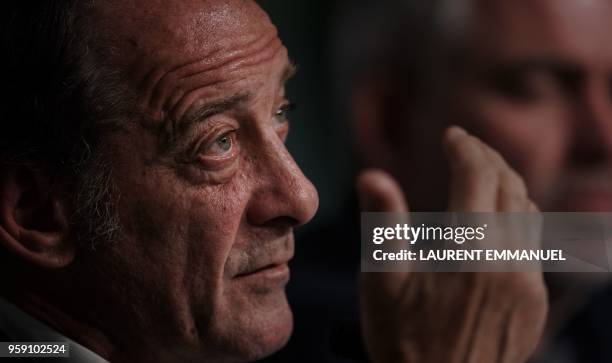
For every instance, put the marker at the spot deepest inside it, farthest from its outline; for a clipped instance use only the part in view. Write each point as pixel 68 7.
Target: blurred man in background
pixel 532 78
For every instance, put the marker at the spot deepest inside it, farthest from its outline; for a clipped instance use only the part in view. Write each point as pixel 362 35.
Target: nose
pixel 592 140
pixel 283 196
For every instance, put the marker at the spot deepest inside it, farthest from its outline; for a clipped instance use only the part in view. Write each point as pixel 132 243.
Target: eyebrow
pixel 175 129
pixel 213 108
pixel 207 110
pixel 289 71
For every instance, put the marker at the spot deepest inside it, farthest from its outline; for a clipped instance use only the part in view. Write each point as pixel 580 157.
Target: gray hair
pixel 58 100
pixel 96 220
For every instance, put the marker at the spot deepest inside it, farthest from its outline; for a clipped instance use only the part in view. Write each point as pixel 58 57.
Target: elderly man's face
pixel 209 194
pixel 538 87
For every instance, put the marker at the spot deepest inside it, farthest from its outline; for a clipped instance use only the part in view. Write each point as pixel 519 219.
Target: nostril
pixel 283 223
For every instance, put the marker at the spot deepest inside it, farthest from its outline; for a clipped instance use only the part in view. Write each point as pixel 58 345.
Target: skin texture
pixel 454 317
pixel 207 194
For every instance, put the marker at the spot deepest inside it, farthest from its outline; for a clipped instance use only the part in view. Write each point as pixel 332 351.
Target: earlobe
pixel 33 219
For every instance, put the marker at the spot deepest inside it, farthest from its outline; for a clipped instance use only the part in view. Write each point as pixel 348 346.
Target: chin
pixel 258 328
pixel 270 329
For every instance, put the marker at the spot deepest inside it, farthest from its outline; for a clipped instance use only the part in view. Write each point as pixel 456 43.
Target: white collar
pixel 19 326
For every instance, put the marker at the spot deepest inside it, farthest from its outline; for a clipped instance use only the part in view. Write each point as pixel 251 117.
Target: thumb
pixel 379 192
pixel 380 292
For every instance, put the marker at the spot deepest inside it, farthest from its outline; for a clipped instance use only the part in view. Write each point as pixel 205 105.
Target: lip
pixel 272 273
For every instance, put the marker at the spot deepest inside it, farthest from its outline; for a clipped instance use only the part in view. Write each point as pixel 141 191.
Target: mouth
pixel 267 266
pixel 272 270
pixel 269 277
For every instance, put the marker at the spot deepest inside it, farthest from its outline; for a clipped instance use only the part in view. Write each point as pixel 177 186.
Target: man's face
pixel 537 86
pixel 533 78
pixel 209 194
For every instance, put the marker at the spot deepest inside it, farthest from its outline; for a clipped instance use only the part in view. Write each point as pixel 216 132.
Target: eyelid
pixel 230 133
pixel 288 106
pixel 204 136
pixel 214 136
pixel 281 113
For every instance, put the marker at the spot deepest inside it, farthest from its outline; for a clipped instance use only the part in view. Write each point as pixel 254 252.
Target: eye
pixel 281 115
pixel 222 145
pixel 528 85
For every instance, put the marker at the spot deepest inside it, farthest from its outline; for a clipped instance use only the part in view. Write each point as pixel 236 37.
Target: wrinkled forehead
pixel 179 28
pixel 576 26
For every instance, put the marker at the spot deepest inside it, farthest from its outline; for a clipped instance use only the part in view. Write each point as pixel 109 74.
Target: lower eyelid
pixel 214 164
pixel 200 174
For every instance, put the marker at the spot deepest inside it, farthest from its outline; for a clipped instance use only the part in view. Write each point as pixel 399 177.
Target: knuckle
pixel 524 286
pixel 488 172
pixel 511 202
pixel 479 176
pixel 494 155
pixel 476 169
pixel 513 183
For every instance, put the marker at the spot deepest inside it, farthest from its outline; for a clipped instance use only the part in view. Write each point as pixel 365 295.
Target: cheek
pixel 532 138
pixel 212 221
pixel 182 232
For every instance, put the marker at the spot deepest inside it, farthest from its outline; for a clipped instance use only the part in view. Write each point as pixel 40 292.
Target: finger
pixel 474 177
pixel 534 225
pixel 512 192
pixel 379 192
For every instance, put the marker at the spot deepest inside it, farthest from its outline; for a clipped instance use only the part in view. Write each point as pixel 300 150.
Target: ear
pixel 34 223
